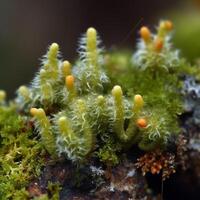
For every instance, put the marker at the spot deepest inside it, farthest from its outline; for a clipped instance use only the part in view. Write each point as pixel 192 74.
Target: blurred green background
pixel 28 27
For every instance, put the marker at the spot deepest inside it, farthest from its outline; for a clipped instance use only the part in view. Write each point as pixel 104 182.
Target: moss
pixel 92 111
pixel 109 152
pixel 53 190
pixel 20 155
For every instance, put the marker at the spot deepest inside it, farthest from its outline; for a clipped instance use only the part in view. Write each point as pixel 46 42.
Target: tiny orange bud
pixel 158 44
pixel 145 33
pixel 168 25
pixel 69 81
pixel 141 122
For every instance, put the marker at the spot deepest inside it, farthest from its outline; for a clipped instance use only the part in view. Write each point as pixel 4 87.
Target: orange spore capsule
pixel 69 81
pixel 168 25
pixel 141 123
pixel 145 33
pixel 158 44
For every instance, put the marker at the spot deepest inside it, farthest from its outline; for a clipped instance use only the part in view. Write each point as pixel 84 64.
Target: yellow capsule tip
pixel 33 111
pixel 62 119
pixel 91 32
pixel 138 99
pixel 2 95
pixel 168 25
pixel 54 47
pixel 117 91
pixel 66 67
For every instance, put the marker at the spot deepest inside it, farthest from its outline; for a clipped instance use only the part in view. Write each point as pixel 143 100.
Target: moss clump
pixel 83 108
pixel 92 111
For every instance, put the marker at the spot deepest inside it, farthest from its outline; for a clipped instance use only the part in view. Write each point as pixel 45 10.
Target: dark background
pixel 28 27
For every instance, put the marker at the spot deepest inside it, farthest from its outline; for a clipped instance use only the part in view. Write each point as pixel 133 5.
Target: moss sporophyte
pixel 90 110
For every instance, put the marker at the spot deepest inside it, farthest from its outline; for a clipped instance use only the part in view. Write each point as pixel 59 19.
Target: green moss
pixel 20 155
pixel 54 189
pixel 95 112
pixel 109 152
